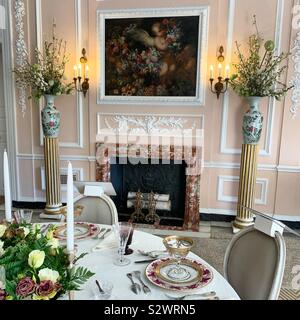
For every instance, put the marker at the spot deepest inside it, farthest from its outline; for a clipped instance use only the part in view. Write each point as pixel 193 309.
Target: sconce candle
pixel 227 71
pixel 220 69
pixel 75 71
pixel 79 70
pixel 87 69
pixel 211 72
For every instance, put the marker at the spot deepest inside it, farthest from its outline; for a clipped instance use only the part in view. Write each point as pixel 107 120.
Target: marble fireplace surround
pixel 190 155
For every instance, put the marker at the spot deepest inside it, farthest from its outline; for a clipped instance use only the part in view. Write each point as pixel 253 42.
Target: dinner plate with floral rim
pixel 201 275
pixel 82 230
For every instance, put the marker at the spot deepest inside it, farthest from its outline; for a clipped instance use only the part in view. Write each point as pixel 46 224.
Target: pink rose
pixel 47 288
pixel 2 295
pixel 25 287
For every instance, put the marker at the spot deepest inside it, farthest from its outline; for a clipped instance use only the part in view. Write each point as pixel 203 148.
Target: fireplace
pixel 182 165
pixel 146 177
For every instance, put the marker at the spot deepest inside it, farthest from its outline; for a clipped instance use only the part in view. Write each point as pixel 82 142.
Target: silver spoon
pixel 152 254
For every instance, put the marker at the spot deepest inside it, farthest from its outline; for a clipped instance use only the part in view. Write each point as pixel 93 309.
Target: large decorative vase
pixel 50 118
pixel 252 122
pixel 51 126
pixel 252 128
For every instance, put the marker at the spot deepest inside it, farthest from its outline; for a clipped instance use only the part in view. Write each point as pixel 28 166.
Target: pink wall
pixel 279 162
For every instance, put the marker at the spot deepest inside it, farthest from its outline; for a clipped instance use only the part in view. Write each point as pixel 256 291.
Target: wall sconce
pixel 222 85
pixel 81 75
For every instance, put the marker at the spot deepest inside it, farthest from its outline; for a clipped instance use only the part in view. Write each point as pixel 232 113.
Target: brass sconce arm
pixel 82 82
pixel 219 86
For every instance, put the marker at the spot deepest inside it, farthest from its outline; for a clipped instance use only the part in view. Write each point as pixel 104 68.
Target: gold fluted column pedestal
pixel 52 172
pixel 247 185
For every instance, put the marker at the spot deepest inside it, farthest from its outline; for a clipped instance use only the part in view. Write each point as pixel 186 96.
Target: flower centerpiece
pixel 36 266
pixel 46 77
pixel 258 75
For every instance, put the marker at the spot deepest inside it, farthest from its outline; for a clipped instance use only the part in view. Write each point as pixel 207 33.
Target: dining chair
pixel 100 210
pixel 254 264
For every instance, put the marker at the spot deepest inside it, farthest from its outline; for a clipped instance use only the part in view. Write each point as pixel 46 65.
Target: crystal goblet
pixel 122 231
pixel 178 248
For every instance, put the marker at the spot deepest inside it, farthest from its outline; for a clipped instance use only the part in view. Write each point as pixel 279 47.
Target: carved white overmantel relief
pixel 21 48
pixel 149 124
pixel 296 78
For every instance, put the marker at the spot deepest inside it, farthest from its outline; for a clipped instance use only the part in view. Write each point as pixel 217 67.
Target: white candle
pixel 87 69
pixel 227 71
pixel 211 72
pixel 79 70
pixel 75 71
pixel 220 70
pixel 7 194
pixel 70 210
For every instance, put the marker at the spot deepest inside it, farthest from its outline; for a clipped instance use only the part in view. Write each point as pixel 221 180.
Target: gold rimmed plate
pixel 194 271
pixel 82 230
pixel 157 273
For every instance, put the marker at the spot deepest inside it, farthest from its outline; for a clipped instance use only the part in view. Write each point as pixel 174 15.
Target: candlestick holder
pixel 71 259
pixel 220 87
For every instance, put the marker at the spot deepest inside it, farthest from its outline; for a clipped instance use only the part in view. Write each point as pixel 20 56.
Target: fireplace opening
pixel 168 181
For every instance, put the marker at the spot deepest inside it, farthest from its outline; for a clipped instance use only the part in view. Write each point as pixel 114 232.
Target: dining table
pixel 99 257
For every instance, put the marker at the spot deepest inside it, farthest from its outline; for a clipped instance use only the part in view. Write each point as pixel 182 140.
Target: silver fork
pixel 97 235
pixel 146 289
pixel 208 295
pixel 135 287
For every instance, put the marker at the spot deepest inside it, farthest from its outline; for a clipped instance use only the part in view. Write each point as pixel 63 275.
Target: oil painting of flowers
pixel 151 56
pixel 148 56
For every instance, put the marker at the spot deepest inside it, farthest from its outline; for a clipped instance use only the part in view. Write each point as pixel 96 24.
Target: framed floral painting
pixel 152 56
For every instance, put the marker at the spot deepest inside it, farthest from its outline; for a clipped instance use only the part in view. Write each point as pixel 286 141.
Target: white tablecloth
pixel 101 263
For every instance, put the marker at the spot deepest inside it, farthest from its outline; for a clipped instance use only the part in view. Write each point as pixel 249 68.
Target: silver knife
pixel 145 261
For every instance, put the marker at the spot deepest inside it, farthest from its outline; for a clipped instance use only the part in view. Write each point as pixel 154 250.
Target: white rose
pixel 1 248
pixel 26 231
pixel 54 243
pixel 48 274
pixel 36 258
pixel 2 229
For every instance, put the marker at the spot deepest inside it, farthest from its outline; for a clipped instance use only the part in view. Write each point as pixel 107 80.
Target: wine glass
pixel 23 216
pixel 122 231
pixel 178 247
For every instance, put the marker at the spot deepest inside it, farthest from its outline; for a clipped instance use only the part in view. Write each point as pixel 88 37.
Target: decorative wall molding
pixel 21 48
pixel 39 157
pixel 207 165
pixel 296 77
pixel 229 212
pixel 199 99
pixel 78 172
pixel 8 49
pixel 147 124
pixel 235 179
pixel 266 151
pixel 79 104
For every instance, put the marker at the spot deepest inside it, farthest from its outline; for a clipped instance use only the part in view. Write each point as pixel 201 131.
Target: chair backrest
pixel 100 210
pixel 254 264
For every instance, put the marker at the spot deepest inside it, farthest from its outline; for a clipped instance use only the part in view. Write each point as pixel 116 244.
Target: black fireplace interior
pixel 147 176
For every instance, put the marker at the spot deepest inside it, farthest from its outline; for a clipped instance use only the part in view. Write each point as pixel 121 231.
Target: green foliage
pixel 16 264
pixel 256 75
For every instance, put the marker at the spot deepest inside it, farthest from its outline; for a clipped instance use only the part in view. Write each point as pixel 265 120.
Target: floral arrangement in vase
pixel 46 76
pixel 33 266
pixel 258 74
